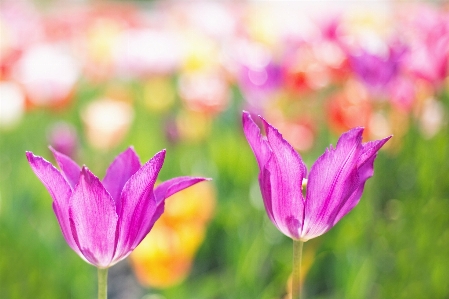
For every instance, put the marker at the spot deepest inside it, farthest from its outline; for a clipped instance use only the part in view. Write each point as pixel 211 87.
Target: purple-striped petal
pixel 260 147
pixel 172 186
pixel 138 206
pixel 93 220
pixel 60 192
pixel 333 179
pixel 69 169
pixel 257 142
pixel 286 170
pixel 121 169
pixel 365 167
pixel 265 189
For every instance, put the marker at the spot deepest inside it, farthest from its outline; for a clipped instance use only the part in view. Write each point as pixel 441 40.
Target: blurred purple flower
pixel 377 71
pixel 62 137
pixel 258 83
pixel 335 183
pixel 104 221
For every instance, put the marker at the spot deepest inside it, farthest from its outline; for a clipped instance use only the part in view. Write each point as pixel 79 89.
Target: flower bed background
pixel 91 80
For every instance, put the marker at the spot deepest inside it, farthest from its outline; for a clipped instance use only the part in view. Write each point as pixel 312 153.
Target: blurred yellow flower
pixel 192 125
pixel 159 93
pixel 164 258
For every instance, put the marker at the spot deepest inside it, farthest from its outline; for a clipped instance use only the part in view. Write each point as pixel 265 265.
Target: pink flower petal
pixel 59 190
pixel 365 170
pixel 93 220
pixel 257 142
pixel 138 206
pixel 333 179
pixel 69 169
pixel 172 186
pixel 260 147
pixel 119 172
pixel 287 170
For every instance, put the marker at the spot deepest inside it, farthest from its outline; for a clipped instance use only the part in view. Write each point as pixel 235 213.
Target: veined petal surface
pixel 262 151
pixel 335 183
pixel 365 168
pixel 121 169
pixel 333 179
pixel 138 206
pixel 60 192
pixel 286 172
pixel 93 220
pixel 256 140
pixel 69 169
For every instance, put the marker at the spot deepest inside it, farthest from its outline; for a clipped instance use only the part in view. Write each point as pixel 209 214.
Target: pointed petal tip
pixel 201 179
pixel 162 153
pixel 354 135
pixel 267 126
pixel 130 149
pixel 88 175
pixel 32 157
pixel 384 140
pixel 84 170
pixel 246 116
pixel 357 130
pixel 55 152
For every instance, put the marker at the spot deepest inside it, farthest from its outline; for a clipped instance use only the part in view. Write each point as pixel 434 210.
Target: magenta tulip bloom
pixel 334 185
pixel 103 221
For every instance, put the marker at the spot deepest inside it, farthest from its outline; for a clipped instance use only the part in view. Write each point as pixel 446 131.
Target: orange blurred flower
pixel 349 108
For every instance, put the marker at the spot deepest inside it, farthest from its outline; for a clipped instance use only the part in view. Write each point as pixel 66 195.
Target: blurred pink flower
pixel 204 91
pixel 428 31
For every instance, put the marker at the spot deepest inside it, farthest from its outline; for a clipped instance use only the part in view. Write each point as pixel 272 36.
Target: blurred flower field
pixel 91 79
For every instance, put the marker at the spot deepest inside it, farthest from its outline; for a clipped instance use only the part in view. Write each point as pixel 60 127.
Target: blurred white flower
pixel 48 73
pixel 12 104
pixel 106 122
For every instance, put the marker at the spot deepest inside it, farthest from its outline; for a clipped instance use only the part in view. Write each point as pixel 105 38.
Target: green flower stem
pixel 102 283
pixel 296 281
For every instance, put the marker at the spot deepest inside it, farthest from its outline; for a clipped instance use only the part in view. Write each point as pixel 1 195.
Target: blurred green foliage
pixel 392 245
